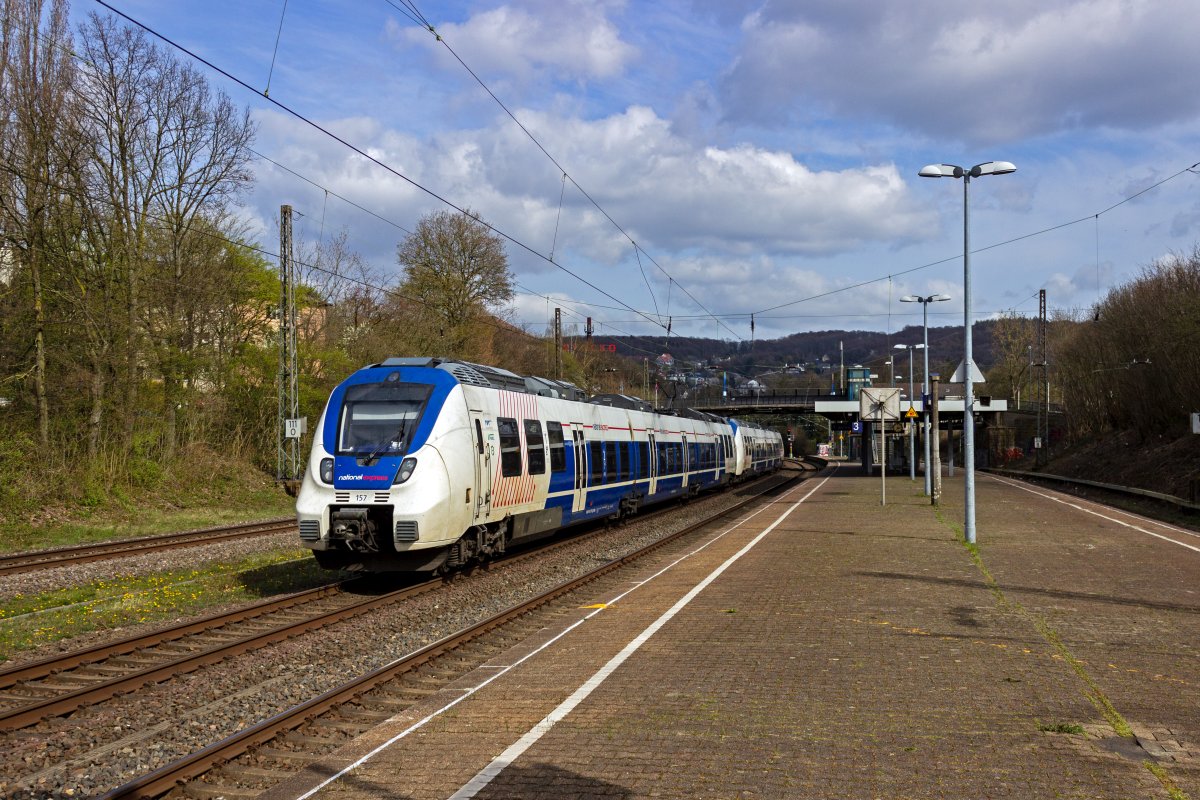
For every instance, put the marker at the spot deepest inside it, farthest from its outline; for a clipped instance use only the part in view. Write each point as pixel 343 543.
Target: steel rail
pixel 80 554
pixel 62 703
pixel 170 776
pixel 62 662
pixel 58 705
pixel 1130 491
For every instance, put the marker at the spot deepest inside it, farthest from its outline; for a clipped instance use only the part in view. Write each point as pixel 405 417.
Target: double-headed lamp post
pixel 912 464
pixel 925 301
pixel 952 171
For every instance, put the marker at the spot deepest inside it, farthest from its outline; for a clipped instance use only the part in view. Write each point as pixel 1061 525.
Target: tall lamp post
pixel 925 301
pixel 912 463
pixel 952 171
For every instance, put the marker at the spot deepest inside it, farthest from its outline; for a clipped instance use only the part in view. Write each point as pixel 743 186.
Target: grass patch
pixel 1173 791
pixel 27 622
pixel 1061 727
pixel 148 522
pixel 199 490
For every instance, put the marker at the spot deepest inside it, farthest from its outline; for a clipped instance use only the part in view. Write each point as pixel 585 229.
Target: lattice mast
pixel 288 450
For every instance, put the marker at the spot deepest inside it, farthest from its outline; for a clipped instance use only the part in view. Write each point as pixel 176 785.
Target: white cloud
pixel 717 219
pixel 978 72
pixel 572 38
pixel 671 194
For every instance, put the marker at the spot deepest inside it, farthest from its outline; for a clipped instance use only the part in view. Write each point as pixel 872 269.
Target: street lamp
pixel 912 464
pixel 925 301
pixel 952 171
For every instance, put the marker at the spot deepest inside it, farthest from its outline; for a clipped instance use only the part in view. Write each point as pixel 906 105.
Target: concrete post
pixel 935 443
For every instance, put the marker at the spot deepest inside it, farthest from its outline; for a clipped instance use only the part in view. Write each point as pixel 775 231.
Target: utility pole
pixel 558 344
pixel 935 497
pixel 842 359
pixel 290 425
pixel 1044 385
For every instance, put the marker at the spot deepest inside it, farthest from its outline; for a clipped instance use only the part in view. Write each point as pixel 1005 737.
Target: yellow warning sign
pixel 911 413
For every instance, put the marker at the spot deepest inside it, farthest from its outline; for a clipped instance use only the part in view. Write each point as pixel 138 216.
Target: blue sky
pixel 761 153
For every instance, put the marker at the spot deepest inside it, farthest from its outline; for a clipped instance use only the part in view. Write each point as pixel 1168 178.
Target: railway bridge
pixel 1002 429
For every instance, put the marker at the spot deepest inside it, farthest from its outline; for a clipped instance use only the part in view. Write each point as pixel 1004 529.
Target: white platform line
pixel 503 671
pixel 1078 507
pixel 488 773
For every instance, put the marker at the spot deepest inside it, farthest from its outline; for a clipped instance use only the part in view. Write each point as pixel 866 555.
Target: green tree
pixel 455 278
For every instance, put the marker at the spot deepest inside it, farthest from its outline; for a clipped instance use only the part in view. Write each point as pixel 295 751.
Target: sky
pixel 763 156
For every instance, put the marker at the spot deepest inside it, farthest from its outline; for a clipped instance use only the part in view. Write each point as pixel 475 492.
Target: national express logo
pixel 362 477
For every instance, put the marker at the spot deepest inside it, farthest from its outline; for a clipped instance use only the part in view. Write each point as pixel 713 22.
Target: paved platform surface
pixel 833 647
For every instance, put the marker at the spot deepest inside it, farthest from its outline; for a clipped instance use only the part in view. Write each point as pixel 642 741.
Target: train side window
pixel 558 454
pixel 610 459
pixel 535 447
pixel 644 459
pixel 479 437
pixel 596 457
pixel 510 447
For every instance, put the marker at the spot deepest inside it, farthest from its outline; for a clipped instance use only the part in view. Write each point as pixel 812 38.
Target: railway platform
pixel 832 647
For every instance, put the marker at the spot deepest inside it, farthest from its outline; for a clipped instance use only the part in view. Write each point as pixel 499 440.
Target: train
pixel 432 464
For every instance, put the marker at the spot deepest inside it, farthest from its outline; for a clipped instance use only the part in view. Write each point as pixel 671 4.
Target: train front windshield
pixel 381 418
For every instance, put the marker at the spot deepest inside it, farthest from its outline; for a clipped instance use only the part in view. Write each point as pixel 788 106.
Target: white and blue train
pixel 425 464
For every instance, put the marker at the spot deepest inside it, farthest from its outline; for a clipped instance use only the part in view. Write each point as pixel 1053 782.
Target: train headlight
pixel 327 470
pixel 406 470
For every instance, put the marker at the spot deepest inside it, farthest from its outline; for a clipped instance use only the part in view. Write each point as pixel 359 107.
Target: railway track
pixel 81 554
pixel 267 752
pixel 1083 487
pixel 62 684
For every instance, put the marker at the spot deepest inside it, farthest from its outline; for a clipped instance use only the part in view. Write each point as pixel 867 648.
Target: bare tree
pixel 36 81
pixel 168 157
pixel 1012 338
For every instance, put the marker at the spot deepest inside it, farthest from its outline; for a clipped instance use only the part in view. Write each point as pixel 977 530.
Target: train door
pixel 484 450
pixel 653 456
pixel 685 460
pixel 579 446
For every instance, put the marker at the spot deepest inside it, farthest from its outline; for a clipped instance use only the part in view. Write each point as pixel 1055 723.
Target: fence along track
pixel 82 554
pixel 274 738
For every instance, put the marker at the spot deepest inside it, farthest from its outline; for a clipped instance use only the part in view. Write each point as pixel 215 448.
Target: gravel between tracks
pixel 99 748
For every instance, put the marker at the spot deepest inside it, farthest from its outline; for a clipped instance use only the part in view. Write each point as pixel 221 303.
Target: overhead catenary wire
pixel 270 254
pixel 275 52
pixel 359 151
pixel 645 315
pixel 1190 169
pixel 566 175
pixel 487 320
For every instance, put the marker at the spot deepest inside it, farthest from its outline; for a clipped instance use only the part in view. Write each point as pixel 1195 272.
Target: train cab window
pixel 380 418
pixel 535 448
pixel 558 455
pixel 510 447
